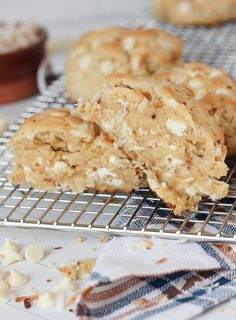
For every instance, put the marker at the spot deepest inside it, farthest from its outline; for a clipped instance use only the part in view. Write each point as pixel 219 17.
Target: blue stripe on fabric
pixel 127 299
pixel 201 298
pixel 209 249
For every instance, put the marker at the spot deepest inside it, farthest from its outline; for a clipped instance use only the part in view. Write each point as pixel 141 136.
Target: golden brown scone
pixel 56 149
pixel 194 12
pixel 162 129
pixel 212 86
pixel 102 52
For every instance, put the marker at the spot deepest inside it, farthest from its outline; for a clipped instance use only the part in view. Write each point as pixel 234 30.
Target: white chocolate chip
pixel 47 300
pixel 135 63
pixel 113 160
pixel 176 162
pixel 177 127
pixel 34 253
pixel 8 244
pixel 143 105
pixel 215 73
pixel 4 291
pixel 128 43
pixel 10 256
pixel 107 67
pixel 117 182
pixel 171 103
pixel 200 94
pixel 59 167
pixel 184 7
pixel 66 283
pixel 195 84
pixel 17 279
pixel 104 172
pixel 222 91
pixel 84 62
pixel 178 79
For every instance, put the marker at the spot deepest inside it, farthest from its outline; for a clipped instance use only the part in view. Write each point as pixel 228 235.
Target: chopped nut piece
pixel 162 260
pixel 82 239
pixel 29 298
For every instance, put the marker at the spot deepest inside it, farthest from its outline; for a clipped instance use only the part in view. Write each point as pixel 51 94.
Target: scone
pixel 161 128
pixel 194 12
pixel 212 86
pixel 102 52
pixel 56 149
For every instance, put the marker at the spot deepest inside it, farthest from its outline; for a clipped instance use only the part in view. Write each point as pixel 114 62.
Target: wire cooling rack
pixel 140 211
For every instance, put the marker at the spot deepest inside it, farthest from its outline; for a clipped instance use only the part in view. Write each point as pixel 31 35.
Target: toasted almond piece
pixel 23 298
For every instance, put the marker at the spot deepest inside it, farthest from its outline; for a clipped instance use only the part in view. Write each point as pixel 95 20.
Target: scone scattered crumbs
pixel 162 260
pixel 72 271
pixel 59 297
pixel 148 244
pixel 81 239
pixel 104 238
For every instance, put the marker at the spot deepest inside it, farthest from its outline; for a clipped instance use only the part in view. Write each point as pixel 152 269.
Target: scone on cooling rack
pixel 162 129
pixel 194 12
pixel 100 53
pixel 212 86
pixel 56 149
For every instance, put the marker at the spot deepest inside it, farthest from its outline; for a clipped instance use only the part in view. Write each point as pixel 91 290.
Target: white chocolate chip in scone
pixel 184 7
pixel 177 127
pixel 85 62
pixel 4 291
pixel 16 278
pixel 195 84
pixel 47 300
pixel 215 73
pixel 222 91
pixel 107 67
pixel 66 283
pixel 200 93
pixel 34 253
pixel 8 244
pixel 171 103
pixel 128 43
pixel 60 167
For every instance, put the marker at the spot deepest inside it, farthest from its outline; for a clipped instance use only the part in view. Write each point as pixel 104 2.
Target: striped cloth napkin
pixel 141 278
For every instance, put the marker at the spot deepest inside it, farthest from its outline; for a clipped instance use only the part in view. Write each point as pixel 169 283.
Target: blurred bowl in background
pixel 18 69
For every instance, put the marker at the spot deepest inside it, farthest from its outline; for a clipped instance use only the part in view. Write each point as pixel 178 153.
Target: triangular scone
pixel 162 128
pixel 56 149
pixel 212 86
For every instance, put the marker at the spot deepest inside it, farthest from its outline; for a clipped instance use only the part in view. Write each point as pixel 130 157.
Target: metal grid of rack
pixel 140 211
